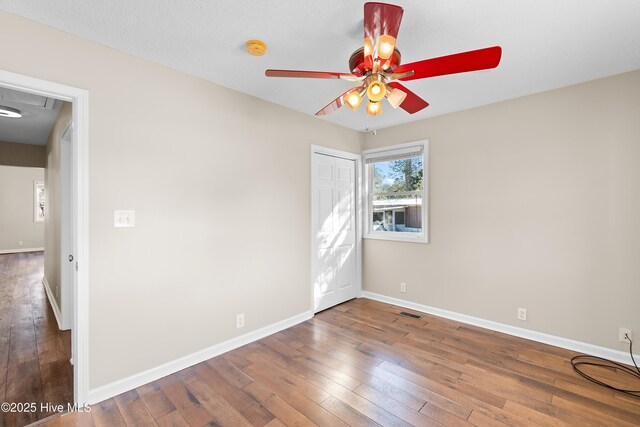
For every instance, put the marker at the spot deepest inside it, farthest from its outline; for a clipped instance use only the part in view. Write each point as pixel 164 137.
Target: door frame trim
pixel 66 210
pixel 357 158
pixel 80 199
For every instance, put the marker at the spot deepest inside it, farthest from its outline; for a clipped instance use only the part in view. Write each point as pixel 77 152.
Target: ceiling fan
pixel 377 70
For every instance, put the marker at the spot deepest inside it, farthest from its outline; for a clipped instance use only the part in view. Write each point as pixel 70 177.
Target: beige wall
pixel 13 154
pixel 16 209
pixel 52 218
pixel 535 203
pixel 220 185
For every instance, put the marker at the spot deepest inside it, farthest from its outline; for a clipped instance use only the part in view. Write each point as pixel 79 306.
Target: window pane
pixel 398 175
pixel 401 213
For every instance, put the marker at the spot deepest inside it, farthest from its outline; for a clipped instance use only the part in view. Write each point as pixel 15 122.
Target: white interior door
pixel 333 221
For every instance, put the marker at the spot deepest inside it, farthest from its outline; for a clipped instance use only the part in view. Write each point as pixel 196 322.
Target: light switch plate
pixel 122 219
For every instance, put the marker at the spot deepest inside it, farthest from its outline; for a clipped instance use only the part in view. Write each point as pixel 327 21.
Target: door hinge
pixel 76 265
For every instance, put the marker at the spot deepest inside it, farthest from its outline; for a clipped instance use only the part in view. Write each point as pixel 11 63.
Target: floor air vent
pixel 404 313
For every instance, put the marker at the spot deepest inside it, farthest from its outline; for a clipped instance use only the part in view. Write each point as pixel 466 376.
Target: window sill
pixel 398 237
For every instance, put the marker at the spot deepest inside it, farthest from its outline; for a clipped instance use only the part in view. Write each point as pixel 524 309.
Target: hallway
pixel 34 354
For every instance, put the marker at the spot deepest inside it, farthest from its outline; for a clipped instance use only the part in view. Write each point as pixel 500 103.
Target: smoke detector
pixel 256 47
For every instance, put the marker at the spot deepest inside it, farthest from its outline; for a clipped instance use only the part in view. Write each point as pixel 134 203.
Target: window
pixel 396 186
pixel 38 201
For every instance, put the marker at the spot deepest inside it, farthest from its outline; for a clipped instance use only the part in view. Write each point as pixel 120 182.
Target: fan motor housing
pixel 357 65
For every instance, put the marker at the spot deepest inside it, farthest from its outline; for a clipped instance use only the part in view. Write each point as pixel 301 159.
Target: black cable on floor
pixel 600 362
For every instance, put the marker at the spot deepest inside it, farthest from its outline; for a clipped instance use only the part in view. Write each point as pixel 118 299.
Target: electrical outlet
pixel 522 313
pixel 622 332
pixel 240 321
pixel 403 287
pixel 19 242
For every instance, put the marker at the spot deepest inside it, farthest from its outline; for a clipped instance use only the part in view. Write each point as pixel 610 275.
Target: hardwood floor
pixel 34 354
pixel 364 363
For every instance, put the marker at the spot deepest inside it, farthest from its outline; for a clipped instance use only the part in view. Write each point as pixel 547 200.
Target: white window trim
pixel 397 236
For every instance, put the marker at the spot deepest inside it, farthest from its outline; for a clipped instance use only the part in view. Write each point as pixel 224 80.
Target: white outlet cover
pixel 622 332
pixel 522 314
pixel 124 219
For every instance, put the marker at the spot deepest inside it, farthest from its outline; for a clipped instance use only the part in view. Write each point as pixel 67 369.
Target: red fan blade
pixel 412 103
pixel 481 59
pixel 335 104
pixel 379 18
pixel 307 74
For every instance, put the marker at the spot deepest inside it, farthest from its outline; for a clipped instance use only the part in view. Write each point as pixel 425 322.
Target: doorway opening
pixel 73 294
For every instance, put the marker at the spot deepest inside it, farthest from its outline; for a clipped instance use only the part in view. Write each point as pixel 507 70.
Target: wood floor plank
pixel 466 395
pixel 532 416
pixel 133 410
pixel 234 357
pixel 347 414
pixel 379 380
pixel 284 411
pixel 430 348
pixel 52 350
pixel 353 371
pixel 394 407
pixel 540 358
pixel 237 397
pixel 314 377
pixel 596 412
pixel 324 329
pixel 478 419
pixel 34 353
pixel 172 419
pixel 317 341
pixel 364 363
pixel 107 414
pixel 445 417
pixel 597 393
pixel 157 403
pixel 298 383
pixel 24 386
pixel 232 374
pixel 258 415
pixel 57 382
pixel 354 356
pixel 374 412
pixel 381 323
pixel 493 363
pixel 275 423
pixel 184 401
pixel 293 395
pixel 75 419
pixel 223 413
pixel 505 387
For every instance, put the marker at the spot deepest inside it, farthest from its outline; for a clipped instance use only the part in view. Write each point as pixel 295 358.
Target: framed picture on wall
pixel 38 201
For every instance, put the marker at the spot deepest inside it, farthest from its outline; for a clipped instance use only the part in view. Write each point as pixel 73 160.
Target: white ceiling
pixel 546 44
pixel 39 114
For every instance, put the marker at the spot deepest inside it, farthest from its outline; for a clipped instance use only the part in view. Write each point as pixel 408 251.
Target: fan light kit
pixel 376 66
pixel 9 112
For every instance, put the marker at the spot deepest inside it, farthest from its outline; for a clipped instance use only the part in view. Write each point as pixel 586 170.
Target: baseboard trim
pixel 117 387
pixel 566 343
pixel 52 301
pixel 17 251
